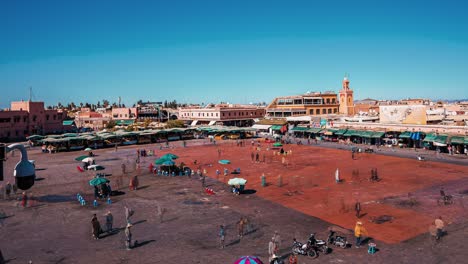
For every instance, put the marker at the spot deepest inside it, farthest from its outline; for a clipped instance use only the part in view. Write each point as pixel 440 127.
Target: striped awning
pixel 300 129
pixel 430 137
pixel 314 130
pixel 340 132
pixel 458 140
pixel 366 134
pixel 441 139
pixel 351 133
pixel 378 134
pixel 406 134
pixel 276 127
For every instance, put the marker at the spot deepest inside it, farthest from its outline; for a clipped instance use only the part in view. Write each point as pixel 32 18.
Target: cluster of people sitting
pixel 102 191
pixel 236 189
pixel 87 164
pixel 48 149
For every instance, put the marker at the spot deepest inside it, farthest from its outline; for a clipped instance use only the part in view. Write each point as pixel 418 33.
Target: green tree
pixel 111 124
pixel 175 123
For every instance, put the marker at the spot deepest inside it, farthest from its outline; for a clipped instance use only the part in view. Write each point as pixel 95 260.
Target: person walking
pixel 337 176
pixel 24 200
pixel 357 208
pixel 277 241
pixel 135 183
pixel 359 233
pixel 252 156
pixel 131 184
pixel 161 212
pixel 109 221
pixel 257 158
pixel 96 227
pixel 15 189
pixel 128 237
pixel 271 249
pixel 439 224
pixel 8 190
pixel 222 235
pixel 124 168
pixel 128 213
pixel 240 227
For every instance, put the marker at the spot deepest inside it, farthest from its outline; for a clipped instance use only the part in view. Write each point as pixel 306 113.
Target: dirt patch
pixel 381 219
pixel 408 203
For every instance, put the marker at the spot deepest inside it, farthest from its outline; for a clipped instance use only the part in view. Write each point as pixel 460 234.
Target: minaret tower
pixel 346 99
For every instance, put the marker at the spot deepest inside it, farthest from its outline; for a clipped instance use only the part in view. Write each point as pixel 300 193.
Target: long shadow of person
pixel 140 244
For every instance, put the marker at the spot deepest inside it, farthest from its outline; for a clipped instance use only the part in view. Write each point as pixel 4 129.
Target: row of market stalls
pixel 102 139
pixel 402 139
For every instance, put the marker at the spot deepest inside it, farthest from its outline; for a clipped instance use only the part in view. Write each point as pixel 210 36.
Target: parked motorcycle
pixel 304 249
pixel 318 244
pixel 339 241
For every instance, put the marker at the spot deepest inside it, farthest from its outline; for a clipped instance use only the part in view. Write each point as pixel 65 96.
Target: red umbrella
pixel 248 260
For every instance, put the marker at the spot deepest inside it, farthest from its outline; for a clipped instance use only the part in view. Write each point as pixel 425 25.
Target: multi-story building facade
pixel 240 115
pixel 314 104
pixel 26 118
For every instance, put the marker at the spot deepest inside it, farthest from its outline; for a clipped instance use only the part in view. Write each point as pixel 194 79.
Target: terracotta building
pixel 26 118
pixel 346 99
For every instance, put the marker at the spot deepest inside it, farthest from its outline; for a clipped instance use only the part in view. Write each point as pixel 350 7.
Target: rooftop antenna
pixel 30 93
pixel 120 99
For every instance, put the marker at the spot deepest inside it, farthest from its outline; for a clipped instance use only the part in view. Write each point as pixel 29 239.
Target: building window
pixel 34 118
pixel 47 117
pixel 333 101
pixel 329 110
pixel 328 100
pixel 324 111
pixel 229 114
pixel 223 114
pixel 216 114
pixel 311 111
pixel 335 110
pixel 317 111
pixel 55 117
pixel 235 113
pixel 211 114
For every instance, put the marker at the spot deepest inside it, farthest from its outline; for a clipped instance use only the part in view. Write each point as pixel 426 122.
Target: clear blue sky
pixel 235 51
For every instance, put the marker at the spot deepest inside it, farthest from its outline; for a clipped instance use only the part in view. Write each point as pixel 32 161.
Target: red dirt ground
pixel 308 185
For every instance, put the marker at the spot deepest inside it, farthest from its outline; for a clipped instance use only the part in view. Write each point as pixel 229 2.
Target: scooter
pixel 339 241
pixel 303 249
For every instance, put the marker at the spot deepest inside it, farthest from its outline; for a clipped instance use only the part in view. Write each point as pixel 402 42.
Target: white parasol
pixel 237 181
